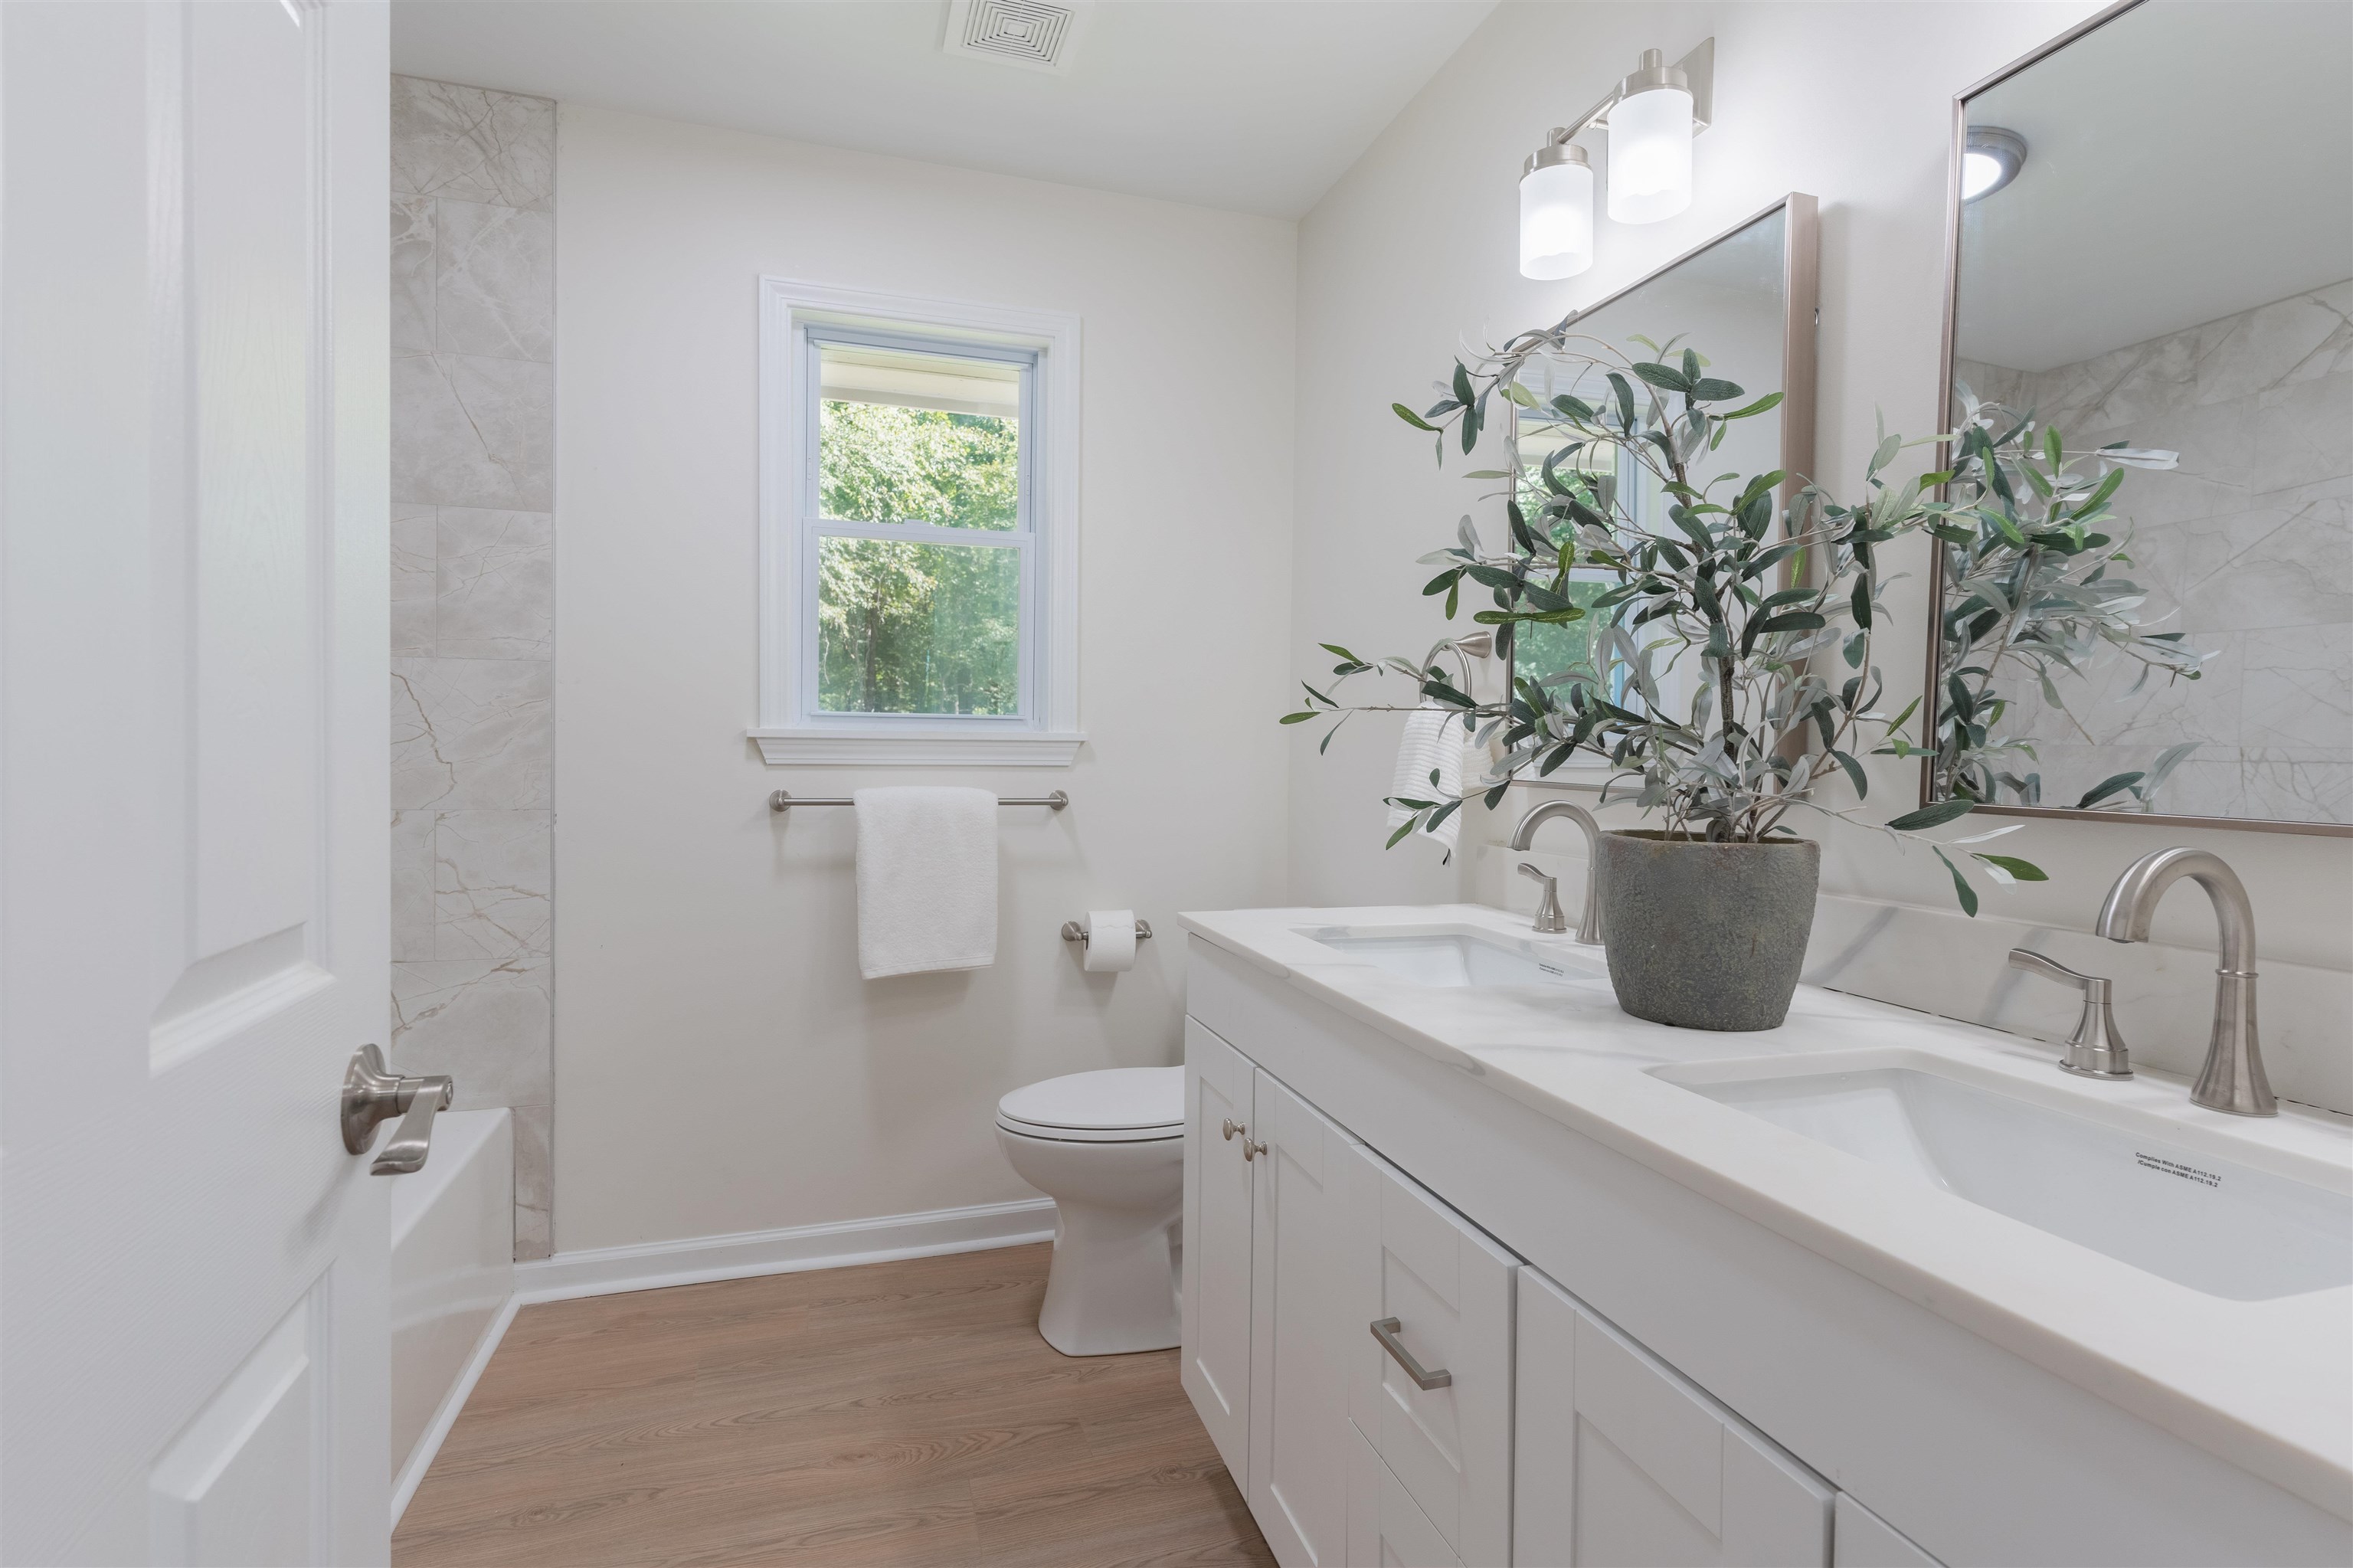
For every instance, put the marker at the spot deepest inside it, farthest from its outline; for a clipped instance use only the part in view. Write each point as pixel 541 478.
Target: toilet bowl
pixel 1109 1149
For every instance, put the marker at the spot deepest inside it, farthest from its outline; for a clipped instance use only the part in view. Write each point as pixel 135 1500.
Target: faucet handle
pixel 1548 915
pixel 2096 1050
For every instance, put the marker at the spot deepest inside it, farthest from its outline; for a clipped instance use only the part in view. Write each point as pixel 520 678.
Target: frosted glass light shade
pixel 1651 156
pixel 1556 221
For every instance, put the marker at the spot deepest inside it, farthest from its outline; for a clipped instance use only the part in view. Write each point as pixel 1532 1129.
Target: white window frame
pixel 791 730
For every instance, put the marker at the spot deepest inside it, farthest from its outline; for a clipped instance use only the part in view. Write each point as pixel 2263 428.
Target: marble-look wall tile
pixel 484 1022
pixel 472 480
pixel 2246 549
pixel 495 588
pixel 412 885
pixel 415 531
pixel 471 432
pixel 535 1174
pixel 495 283
pixel 414 262
pixel 469 734
pixel 491 883
pixel 472 146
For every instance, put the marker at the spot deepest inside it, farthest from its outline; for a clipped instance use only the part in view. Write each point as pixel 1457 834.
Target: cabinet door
pixel 1449 1289
pixel 1387 1528
pixel 1623 1463
pixel 1861 1539
pixel 1299 1322
pixel 1216 1327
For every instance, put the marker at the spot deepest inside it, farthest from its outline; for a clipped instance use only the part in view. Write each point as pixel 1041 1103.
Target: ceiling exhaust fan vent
pixel 1025 33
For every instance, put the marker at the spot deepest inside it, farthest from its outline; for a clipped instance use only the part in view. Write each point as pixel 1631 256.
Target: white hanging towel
pixel 926 880
pixel 1433 739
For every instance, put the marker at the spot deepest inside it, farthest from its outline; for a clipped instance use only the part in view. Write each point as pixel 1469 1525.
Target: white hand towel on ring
pixel 1434 740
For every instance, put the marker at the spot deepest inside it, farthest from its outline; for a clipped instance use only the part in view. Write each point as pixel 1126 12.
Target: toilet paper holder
pixel 1074 932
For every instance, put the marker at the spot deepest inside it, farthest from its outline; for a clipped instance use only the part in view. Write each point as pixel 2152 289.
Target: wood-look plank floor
pixel 900 1412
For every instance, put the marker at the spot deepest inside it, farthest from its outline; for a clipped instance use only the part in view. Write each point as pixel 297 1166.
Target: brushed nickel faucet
pixel 2096 1050
pixel 2233 1079
pixel 1589 923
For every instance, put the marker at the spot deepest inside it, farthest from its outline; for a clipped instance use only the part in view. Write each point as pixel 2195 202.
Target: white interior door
pixel 193 778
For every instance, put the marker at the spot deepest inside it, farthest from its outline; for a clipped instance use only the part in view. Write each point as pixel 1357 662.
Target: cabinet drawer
pixel 1448 1288
pixel 1386 1528
pixel 1621 1459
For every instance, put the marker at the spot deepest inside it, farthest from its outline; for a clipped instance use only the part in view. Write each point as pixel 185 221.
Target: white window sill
pixel 942 748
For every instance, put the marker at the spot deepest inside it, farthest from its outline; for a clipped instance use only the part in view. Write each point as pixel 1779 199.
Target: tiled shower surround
pixel 2247 548
pixel 473 427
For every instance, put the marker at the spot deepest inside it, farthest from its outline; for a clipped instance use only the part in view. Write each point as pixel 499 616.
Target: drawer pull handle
pixel 1386 1330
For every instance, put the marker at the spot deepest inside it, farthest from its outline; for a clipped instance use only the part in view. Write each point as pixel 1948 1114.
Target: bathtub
pixel 452 1271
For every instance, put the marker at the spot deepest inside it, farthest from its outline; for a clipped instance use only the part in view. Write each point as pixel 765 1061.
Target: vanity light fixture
pixel 1651 117
pixel 1991 160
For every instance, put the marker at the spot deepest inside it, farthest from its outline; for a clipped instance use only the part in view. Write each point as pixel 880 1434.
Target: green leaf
pixel 1886 453
pixel 1463 393
pixel 1962 891
pixel 1853 772
pixel 1663 377
pixel 1574 407
pixel 1398 837
pixel 1618 384
pixel 2107 787
pixel 1932 816
pixel 1410 417
pixel 1771 400
pixel 1862 604
pixel 1297 718
pixel 2023 870
pixel 1338 651
pixel 1709 389
pixel 1789 621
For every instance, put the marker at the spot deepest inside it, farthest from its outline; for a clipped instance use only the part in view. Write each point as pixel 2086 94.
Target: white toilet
pixel 1109 1149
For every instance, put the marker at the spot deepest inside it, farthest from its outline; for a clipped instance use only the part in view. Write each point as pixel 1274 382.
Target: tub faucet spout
pixel 2232 1078
pixel 1589 923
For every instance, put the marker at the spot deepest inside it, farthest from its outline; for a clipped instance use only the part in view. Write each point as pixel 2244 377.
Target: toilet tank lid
pixel 1115 1098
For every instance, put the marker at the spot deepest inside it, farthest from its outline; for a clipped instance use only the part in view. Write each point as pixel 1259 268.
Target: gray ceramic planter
pixel 1706 936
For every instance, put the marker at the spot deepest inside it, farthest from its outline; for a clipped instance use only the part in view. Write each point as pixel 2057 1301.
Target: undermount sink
pixel 1442 956
pixel 2194 1217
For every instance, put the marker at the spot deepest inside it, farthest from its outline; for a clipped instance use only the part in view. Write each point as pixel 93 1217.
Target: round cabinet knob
pixel 1232 1127
pixel 1251 1150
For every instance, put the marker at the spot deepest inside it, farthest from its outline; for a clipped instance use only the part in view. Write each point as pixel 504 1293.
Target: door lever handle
pixel 1386 1330
pixel 373 1095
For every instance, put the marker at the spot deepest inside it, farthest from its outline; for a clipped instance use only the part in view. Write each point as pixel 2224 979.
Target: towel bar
pixel 783 801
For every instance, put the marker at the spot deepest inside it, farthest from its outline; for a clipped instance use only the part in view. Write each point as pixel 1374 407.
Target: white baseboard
pixel 651 1266
pixel 428 1442
pixel 839 1243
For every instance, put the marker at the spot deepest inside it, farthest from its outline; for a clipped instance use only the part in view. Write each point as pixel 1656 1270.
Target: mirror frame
pixel 1934 683
pixel 1801 317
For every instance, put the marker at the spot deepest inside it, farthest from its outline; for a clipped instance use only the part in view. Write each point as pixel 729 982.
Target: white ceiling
pixel 2188 161
pixel 1252 105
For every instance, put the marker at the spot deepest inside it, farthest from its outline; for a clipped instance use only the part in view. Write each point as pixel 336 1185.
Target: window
pixel 1607 473
pixel 919 532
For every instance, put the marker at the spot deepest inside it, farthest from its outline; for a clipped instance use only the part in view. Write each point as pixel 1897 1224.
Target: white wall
pixel 1412 254
pixel 722 1065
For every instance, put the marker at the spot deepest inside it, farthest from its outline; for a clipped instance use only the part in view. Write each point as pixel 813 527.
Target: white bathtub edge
pixel 428 1444
pixel 837 1244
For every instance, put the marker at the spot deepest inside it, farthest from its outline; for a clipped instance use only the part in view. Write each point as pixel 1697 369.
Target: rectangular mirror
pixel 2153 250
pixel 1746 302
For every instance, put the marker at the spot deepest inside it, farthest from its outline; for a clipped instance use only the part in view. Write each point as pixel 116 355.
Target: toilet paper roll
pixel 1110 940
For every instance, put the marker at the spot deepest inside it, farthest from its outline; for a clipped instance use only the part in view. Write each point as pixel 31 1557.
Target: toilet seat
pixel 1115 1105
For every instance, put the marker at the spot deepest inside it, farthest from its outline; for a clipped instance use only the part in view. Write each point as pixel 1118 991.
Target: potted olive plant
pixel 1764 614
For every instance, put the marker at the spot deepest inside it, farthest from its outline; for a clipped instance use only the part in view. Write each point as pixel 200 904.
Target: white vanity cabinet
pixel 1620 1459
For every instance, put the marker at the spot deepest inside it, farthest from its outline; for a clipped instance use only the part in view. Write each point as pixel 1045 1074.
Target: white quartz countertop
pixel 2265 1385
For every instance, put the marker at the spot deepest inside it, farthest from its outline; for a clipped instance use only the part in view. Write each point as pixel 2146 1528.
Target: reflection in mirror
pixel 2138 268
pixel 1741 300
